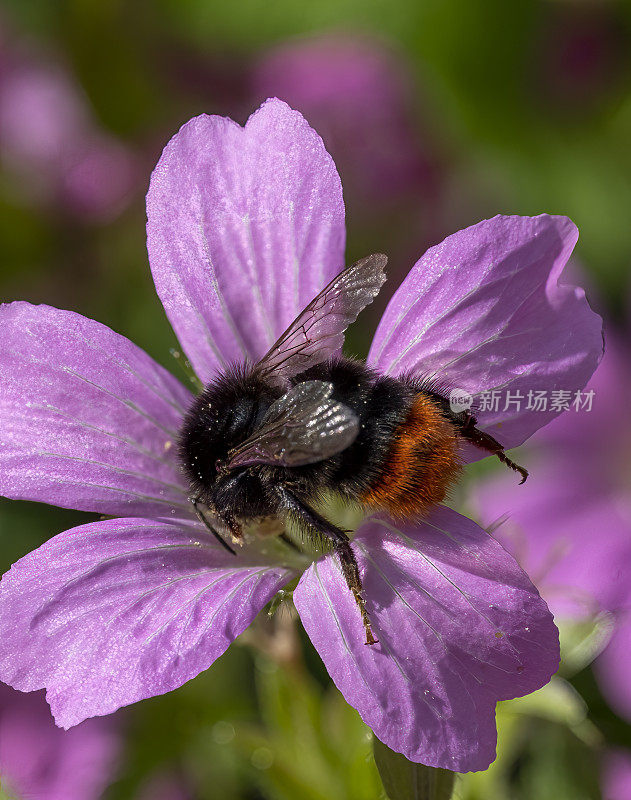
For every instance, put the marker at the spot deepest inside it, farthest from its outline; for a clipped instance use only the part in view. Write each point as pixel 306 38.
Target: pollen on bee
pixel 168 445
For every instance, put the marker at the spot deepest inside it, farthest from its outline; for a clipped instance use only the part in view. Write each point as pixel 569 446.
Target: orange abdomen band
pixel 421 464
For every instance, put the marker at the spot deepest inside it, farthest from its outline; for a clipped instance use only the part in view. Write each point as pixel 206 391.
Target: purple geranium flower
pixel 571 526
pixel 245 226
pixel 39 761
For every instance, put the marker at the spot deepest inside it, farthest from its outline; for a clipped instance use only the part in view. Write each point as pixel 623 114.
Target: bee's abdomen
pixel 422 462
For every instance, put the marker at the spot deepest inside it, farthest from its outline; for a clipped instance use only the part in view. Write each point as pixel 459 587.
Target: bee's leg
pixel 235 529
pixel 486 442
pixel 215 533
pixel 309 518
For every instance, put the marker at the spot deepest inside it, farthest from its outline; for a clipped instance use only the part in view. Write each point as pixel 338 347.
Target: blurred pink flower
pixel 616 775
pixel 581 58
pixel 39 761
pixel 570 525
pixel 359 94
pixel 51 144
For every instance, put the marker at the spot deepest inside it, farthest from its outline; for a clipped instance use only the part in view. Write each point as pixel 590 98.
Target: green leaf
pixel 545 752
pixel 310 744
pixel 554 763
pixel 404 780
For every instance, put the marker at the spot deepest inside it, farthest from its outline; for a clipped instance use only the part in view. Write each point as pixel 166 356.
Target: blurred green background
pixel 515 107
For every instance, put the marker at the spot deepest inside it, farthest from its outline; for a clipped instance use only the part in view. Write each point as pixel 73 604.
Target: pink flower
pixel 570 527
pixel 39 761
pixel 245 227
pixel 52 145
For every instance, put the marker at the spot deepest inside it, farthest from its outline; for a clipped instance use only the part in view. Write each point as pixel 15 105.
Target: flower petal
pixel 483 311
pixel 356 94
pixel 616 777
pixel 567 530
pixel 579 434
pixel 117 611
pixel 42 762
pixel 459 625
pixel 245 227
pixel 87 419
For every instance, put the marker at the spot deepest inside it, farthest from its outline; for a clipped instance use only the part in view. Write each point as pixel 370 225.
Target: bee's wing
pixel 318 331
pixel 303 426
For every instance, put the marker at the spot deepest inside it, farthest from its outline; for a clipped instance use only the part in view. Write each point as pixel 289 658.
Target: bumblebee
pixel 267 440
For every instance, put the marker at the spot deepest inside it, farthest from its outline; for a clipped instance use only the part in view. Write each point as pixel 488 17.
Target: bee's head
pixel 220 418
